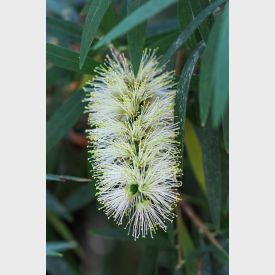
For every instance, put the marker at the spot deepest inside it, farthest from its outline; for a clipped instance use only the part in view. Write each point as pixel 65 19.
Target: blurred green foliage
pixel 193 36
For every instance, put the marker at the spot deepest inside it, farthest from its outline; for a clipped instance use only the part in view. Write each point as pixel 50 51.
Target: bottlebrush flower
pixel 132 144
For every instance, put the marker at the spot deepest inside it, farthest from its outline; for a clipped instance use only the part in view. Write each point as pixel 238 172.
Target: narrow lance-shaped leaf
pixel 186 16
pixel 162 42
pixel 196 7
pixel 95 14
pixel 221 67
pixel 62 229
pixel 212 171
pixel 67 59
pixel 186 33
pixel 183 88
pixel 63 178
pixel 214 79
pixel 53 248
pixel 147 10
pixel 65 118
pixel 194 151
pixel 187 246
pixel 136 36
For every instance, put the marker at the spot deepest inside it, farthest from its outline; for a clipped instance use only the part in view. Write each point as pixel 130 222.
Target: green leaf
pixel 67 59
pixel 190 28
pixel 85 8
pixel 162 42
pixel 183 88
pixel 194 151
pixel 59 226
pixel 62 229
pixel 64 119
pixel 148 261
pixel 212 171
pixel 53 204
pixel 95 14
pixel 81 197
pixel 63 29
pixel 206 260
pixel 196 7
pixel 220 263
pixel 225 128
pixel 52 248
pixel 62 178
pixel 187 247
pixel 136 36
pixel 214 79
pixel 186 16
pixel 54 254
pixel 160 239
pixel 144 12
pixel 109 20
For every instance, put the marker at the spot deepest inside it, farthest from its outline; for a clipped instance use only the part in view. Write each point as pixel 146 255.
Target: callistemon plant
pixel 132 142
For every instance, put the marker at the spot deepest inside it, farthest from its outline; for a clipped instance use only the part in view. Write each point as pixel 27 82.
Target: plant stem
pixel 199 223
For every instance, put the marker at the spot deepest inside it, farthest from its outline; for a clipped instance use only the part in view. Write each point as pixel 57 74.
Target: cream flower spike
pixel 132 142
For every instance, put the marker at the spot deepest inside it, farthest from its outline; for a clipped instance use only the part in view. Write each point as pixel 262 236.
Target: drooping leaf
pixel 212 171
pixel 186 16
pixel 137 17
pixel 110 19
pixel 149 261
pixel 196 7
pixel 194 152
pixel 214 79
pixel 95 14
pixel 67 59
pixel 191 27
pixel 183 88
pixel 65 118
pixel 53 204
pixel 62 178
pixel 53 248
pixel 136 36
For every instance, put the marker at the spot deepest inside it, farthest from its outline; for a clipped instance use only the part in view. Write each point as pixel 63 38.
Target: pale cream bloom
pixel 132 135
